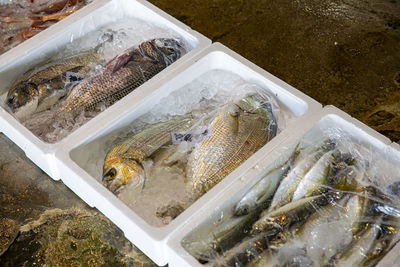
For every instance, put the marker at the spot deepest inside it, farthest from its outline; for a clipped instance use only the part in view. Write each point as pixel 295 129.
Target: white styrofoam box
pixel 329 118
pixel 90 143
pixel 95 15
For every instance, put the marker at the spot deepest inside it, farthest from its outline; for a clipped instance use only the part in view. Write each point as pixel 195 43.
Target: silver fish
pixel 261 191
pixel 205 243
pixel 357 251
pixel 316 178
pixel 292 212
pixel 287 187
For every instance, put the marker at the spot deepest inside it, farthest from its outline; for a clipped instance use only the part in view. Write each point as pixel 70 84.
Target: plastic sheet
pixel 90 74
pixel 332 199
pixel 216 122
pixel 21 20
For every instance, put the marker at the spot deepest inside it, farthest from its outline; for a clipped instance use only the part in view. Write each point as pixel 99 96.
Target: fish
pixel 254 247
pixel 265 259
pixel 358 250
pixel 292 212
pixel 204 244
pixel 123 74
pixel 237 132
pixel 261 191
pixel 321 177
pixel 287 187
pixel 40 88
pixel 126 161
pixel 357 208
pixel 246 251
pixel 315 178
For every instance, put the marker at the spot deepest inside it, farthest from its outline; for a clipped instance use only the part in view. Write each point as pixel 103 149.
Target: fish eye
pixel 11 100
pixel 158 42
pixel 110 174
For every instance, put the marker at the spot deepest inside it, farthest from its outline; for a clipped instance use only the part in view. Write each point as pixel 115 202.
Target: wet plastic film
pixel 189 142
pixel 86 76
pixel 332 199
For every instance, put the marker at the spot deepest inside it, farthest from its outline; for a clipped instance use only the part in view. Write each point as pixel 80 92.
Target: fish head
pixel 255 104
pixel 266 225
pixel 242 210
pixel 23 97
pixel 163 49
pixel 259 107
pixel 120 171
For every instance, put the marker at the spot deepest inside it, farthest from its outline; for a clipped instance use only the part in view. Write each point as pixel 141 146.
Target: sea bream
pixel 40 88
pixel 126 161
pixel 237 132
pixel 123 74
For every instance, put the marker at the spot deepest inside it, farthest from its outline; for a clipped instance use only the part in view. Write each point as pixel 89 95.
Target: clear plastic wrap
pixel 88 75
pixel 187 143
pixel 332 199
pixel 20 20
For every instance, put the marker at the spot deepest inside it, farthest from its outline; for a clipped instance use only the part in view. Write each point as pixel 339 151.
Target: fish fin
pixel 120 61
pixel 147 168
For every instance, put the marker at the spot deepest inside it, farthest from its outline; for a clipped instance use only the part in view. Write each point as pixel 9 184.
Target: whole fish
pixel 41 88
pixel 204 244
pixel 292 212
pixel 251 248
pixel 284 193
pixel 261 191
pixel 357 252
pixel 123 74
pixel 384 244
pixel 244 252
pixel 357 209
pixel 125 162
pixel 237 132
pixel 320 177
pixel 265 259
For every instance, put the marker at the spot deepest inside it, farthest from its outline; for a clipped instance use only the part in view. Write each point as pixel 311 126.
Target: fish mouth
pixel 109 175
pixel 169 49
pixel 30 92
pixel 109 179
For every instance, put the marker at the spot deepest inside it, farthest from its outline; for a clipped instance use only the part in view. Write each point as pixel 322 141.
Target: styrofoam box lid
pixel 93 16
pixel 74 151
pixel 329 118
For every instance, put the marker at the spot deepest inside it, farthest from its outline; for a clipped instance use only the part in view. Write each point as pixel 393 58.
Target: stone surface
pixel 42 223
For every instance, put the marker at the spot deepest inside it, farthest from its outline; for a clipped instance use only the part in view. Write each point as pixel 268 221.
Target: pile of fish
pixel 20 20
pixel 318 208
pixel 74 84
pixel 217 143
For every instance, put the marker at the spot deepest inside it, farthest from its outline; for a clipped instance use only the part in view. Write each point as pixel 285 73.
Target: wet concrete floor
pixel 340 52
pixel 43 223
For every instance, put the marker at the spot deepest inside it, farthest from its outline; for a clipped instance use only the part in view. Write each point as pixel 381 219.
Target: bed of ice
pixel 380 170
pixel 110 41
pixel 163 196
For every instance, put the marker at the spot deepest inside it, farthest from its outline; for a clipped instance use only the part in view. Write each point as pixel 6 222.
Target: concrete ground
pixel 340 52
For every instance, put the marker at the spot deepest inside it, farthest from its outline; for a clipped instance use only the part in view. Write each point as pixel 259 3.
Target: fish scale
pixel 125 162
pixel 234 138
pixel 123 74
pixel 110 86
pixel 146 142
pixel 40 88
